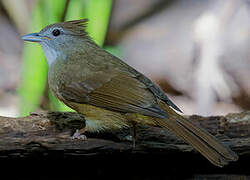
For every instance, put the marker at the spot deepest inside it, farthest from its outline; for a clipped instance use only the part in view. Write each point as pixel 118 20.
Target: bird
pixel 111 94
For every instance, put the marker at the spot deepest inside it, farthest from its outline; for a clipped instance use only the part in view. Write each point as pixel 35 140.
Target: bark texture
pixel 40 145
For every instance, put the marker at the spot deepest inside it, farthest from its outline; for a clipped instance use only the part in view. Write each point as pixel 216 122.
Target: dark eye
pixel 56 32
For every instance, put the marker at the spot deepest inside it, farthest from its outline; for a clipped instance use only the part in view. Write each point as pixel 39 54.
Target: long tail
pixel 201 140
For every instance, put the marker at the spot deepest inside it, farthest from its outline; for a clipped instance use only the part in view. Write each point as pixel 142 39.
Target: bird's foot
pixel 78 135
pixel 133 137
pixel 128 138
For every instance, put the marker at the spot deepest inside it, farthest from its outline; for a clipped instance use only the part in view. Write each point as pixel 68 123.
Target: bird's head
pixel 60 38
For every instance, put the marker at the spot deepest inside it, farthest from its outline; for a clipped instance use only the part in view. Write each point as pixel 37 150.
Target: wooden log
pixel 44 141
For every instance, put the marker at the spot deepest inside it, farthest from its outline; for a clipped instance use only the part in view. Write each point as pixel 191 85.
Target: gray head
pixel 60 38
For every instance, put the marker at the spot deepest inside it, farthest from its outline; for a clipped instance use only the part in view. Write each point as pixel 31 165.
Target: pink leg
pixel 79 134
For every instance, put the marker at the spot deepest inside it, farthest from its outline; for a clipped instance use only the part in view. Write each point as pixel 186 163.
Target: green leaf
pixel 34 69
pixel 34 66
pixel 98 13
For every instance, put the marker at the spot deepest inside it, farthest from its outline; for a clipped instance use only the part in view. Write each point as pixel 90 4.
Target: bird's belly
pixel 99 119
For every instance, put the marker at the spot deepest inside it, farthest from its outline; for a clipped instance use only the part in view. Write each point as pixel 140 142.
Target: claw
pixel 79 135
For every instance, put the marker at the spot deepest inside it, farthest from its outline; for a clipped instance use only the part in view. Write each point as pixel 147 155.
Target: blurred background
pixel 197 51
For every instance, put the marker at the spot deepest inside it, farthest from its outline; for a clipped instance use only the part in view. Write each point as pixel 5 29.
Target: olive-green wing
pixel 156 90
pixel 153 88
pixel 117 90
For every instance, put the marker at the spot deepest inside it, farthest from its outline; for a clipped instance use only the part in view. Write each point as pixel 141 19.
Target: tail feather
pixel 201 140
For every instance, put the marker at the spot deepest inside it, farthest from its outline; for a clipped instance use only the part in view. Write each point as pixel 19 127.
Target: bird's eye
pixel 56 32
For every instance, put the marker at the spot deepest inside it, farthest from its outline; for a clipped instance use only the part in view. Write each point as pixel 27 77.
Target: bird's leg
pixel 79 134
pixel 133 133
pixel 131 118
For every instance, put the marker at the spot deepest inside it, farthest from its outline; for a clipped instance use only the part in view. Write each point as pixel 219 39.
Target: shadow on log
pixel 40 147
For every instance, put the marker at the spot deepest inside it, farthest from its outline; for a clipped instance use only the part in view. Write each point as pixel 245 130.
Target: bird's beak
pixel 34 37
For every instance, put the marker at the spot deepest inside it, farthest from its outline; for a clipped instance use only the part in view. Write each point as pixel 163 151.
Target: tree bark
pixel 43 141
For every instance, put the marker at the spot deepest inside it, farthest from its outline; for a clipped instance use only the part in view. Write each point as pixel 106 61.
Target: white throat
pixel 50 53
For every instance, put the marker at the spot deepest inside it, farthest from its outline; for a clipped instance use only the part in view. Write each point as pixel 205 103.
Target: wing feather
pixel 117 90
